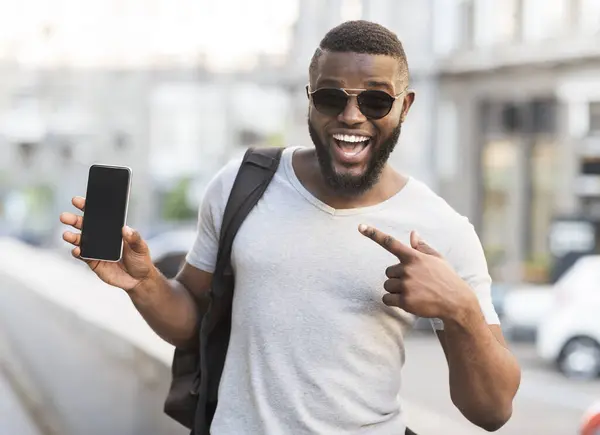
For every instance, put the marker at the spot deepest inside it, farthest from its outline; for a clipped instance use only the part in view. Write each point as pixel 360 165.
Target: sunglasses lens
pixel 375 104
pixel 330 101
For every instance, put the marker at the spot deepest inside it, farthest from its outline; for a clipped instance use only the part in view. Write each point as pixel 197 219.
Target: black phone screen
pixel 105 212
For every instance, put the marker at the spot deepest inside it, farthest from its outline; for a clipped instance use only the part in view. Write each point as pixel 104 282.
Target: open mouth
pixel 351 148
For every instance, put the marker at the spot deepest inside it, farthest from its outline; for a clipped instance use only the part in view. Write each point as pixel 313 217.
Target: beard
pixel 354 185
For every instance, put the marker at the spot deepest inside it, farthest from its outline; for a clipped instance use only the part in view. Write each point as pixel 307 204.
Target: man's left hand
pixel 423 283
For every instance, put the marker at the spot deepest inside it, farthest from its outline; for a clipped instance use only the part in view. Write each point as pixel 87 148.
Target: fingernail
pixel 419 240
pixel 128 231
pixel 362 228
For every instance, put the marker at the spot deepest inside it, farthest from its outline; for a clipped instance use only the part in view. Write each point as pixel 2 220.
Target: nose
pixel 352 114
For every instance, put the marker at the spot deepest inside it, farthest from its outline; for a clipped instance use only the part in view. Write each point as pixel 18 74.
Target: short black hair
pixel 361 36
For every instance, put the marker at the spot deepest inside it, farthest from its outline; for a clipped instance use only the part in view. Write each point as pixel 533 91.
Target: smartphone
pixel 105 214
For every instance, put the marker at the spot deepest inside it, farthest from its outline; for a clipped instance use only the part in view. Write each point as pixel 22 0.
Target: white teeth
pixel 350 138
pixel 351 144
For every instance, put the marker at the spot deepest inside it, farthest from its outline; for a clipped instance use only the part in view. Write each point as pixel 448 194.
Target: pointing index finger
pixel 390 244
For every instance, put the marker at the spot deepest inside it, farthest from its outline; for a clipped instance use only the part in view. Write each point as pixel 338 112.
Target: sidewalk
pixel 14 419
pixel 69 284
pixel 17 412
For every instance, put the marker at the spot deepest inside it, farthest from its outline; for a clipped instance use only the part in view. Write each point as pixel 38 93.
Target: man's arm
pixel 172 307
pixel 484 375
pixel 455 294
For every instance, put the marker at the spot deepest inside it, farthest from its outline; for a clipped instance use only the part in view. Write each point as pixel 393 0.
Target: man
pixel 317 333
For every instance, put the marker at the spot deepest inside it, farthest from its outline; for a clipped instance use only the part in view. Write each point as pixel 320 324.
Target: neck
pixel 308 171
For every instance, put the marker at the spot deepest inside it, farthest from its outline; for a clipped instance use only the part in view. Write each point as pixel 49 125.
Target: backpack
pixel 196 371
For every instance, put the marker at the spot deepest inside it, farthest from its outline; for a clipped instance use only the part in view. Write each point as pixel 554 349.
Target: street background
pixel 505 127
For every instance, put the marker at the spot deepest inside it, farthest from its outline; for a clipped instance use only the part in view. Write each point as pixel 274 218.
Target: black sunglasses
pixel 372 103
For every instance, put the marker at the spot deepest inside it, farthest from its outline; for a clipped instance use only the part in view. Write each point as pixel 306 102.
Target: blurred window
pixel 507 24
pixel 519 171
pixel 447 153
pixel 544 170
pixel 447 26
pixel 544 115
pixel 28 151
pixel 594 113
pixel 589 19
pixel 496 22
pixel 590 166
pixel 500 161
pixel 467 23
pixel 574 14
pixel 544 19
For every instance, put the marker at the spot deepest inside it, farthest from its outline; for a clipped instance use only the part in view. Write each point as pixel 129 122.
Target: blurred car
pixel 569 335
pixel 524 308
pixel 169 248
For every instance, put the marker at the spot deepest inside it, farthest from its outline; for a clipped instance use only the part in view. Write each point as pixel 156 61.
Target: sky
pixel 89 33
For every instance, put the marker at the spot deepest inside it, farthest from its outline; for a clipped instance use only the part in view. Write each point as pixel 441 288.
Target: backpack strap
pixel 196 372
pixel 256 172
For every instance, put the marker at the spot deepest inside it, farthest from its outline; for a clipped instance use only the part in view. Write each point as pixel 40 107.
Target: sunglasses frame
pixel 352 92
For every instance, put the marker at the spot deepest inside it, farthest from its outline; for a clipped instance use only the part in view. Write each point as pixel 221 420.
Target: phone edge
pixel 130 171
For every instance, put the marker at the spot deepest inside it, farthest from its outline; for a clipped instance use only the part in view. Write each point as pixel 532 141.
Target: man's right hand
pixel 135 266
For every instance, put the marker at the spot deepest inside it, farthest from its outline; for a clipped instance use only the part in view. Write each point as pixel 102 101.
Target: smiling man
pixel 332 267
pixel 359 98
pixel 372 73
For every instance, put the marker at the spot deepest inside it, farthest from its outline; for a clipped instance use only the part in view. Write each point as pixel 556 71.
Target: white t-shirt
pixel 313 349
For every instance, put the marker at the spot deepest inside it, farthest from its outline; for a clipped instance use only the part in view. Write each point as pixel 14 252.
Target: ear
pixel 407 102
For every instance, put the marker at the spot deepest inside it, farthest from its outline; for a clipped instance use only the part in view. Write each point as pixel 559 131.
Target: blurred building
pixel 506 123
pixel 503 125
pixel 118 82
pixel 76 90
pixel 413 23
pixel 518 117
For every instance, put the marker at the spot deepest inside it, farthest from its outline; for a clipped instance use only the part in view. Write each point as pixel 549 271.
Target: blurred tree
pixel 175 205
pixel 40 199
pixel 536 269
pixel 276 140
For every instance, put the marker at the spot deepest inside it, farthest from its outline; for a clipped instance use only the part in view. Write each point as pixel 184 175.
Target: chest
pixel 301 257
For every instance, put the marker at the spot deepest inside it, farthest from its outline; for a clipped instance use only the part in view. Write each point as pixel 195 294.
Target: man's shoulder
pixel 229 170
pixel 227 174
pixel 220 185
pixel 437 221
pixel 432 204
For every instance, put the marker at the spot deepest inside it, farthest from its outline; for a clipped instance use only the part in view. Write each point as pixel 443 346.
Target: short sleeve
pixel 203 254
pixel 467 257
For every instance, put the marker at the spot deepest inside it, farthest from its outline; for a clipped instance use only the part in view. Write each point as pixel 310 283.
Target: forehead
pixel 357 70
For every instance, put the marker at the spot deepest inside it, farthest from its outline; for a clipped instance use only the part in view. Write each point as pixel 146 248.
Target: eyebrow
pixel 379 84
pixel 337 82
pixel 331 82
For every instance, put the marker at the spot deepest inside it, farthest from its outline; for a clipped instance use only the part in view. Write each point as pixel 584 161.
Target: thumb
pixel 134 240
pixel 417 243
